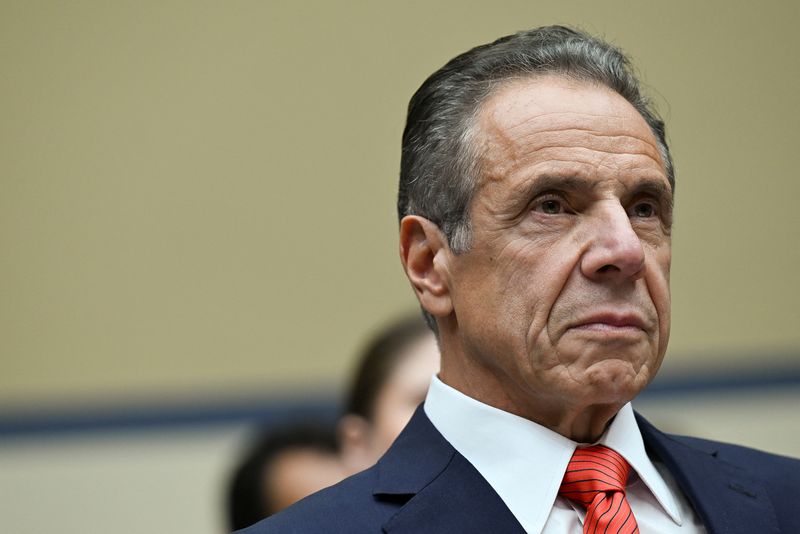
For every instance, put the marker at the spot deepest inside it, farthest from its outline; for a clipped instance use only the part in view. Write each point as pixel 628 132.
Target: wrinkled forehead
pixel 525 115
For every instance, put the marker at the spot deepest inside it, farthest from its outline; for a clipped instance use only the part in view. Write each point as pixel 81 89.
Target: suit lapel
pixel 440 489
pixel 726 497
pixel 459 500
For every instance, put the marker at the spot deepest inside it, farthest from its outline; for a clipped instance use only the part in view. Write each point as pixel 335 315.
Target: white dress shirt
pixel 525 462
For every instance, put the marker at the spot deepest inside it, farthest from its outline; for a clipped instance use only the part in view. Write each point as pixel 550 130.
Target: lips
pixel 611 321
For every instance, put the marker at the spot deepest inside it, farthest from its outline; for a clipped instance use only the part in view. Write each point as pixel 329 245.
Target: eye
pixel 643 209
pixel 549 206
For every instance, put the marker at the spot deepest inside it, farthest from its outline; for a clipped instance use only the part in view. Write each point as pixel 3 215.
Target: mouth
pixel 611 323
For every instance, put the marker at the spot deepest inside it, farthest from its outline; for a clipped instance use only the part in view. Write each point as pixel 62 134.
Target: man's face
pixel 562 299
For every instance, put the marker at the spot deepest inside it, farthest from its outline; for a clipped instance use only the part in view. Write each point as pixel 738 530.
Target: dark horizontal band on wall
pixel 274 411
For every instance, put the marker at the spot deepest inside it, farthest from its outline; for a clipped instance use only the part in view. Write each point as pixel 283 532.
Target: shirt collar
pixel 509 451
pixel 623 435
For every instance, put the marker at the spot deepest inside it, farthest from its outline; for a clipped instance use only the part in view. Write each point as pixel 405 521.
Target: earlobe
pixel 424 253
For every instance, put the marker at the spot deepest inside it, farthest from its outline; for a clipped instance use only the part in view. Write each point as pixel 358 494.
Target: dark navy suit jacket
pixel 423 485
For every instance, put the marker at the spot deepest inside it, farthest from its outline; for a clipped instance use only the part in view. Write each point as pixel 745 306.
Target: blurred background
pixel 197 228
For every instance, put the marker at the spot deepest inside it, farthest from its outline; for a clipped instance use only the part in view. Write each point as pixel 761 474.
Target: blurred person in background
pixel 391 379
pixel 282 466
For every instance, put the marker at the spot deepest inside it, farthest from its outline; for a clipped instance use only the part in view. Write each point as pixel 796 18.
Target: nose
pixel 615 251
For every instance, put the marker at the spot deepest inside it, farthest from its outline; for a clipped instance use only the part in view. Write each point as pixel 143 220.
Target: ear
pixel 425 253
pixel 354 442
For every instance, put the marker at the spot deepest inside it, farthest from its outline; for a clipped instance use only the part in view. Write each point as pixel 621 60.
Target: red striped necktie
pixel 596 478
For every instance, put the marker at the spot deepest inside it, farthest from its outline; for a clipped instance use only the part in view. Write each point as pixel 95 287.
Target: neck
pixel 580 423
pixel 577 414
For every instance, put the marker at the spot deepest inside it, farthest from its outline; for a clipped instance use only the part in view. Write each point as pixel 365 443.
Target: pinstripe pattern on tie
pixel 596 478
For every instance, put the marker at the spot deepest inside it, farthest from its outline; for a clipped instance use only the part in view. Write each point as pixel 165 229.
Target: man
pixel 535 201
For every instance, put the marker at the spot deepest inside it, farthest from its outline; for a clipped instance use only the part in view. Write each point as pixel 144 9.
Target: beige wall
pixel 198 196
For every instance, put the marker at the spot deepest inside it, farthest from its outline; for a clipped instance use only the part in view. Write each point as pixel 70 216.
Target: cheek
pixel 540 272
pixel 560 269
pixel 659 289
pixel 664 318
pixel 659 280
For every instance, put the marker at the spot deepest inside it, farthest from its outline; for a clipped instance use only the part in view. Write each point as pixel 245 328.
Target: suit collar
pixel 417 456
pixel 725 496
pixel 458 500
pixel 441 490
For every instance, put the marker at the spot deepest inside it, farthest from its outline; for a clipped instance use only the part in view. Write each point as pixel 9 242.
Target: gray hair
pixel 439 167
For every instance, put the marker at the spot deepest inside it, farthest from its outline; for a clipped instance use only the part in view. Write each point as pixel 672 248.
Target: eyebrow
pixel 650 186
pixel 570 183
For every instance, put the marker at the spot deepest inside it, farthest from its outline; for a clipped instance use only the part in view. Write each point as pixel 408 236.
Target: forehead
pixel 563 125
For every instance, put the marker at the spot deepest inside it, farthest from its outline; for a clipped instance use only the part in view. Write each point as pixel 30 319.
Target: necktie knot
pixel 593 470
pixel 596 478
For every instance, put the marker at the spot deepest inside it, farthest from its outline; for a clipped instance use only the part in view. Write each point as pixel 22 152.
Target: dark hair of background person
pixel 248 501
pixel 439 165
pixel 381 356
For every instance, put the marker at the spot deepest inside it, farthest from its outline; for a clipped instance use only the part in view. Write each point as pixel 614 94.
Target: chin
pixel 615 381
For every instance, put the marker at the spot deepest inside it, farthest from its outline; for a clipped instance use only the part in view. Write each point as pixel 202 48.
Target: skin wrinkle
pixel 534 174
pixel 573 82
pixel 498 176
pixel 574 185
pixel 624 144
pixel 576 239
pixel 501 171
pixel 551 340
pixel 490 125
pixel 507 232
